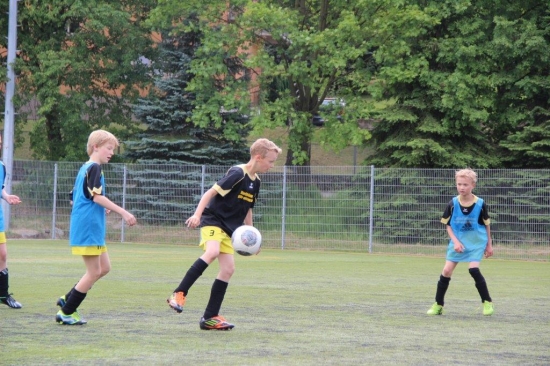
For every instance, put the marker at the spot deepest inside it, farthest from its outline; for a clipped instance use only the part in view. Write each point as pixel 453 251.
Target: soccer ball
pixel 246 240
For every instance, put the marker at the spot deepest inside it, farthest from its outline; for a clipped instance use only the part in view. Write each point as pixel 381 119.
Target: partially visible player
pixel 468 225
pixel 88 224
pixel 222 209
pixel 5 296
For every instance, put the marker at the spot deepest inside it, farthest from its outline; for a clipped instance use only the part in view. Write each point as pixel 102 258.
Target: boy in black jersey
pixel 222 209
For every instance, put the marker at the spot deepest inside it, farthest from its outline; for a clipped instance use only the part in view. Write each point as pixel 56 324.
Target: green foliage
pixel 472 91
pixel 82 62
pixel 170 137
pixel 310 50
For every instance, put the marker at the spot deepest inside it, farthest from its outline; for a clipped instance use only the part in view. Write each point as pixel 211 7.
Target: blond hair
pixel 263 146
pixel 466 173
pixel 99 138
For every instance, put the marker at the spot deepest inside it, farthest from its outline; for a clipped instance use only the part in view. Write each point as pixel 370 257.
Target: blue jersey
pixel 2 179
pixel 88 220
pixel 469 231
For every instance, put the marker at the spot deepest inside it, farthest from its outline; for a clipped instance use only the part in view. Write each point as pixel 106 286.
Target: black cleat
pixel 10 301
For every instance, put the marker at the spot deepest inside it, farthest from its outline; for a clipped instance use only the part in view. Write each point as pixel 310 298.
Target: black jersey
pixel 237 193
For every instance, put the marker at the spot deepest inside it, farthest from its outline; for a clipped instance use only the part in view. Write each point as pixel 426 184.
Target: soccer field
pixel 288 307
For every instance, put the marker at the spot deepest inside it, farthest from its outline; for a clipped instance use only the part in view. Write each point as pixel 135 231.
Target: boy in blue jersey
pixel 222 209
pixel 88 224
pixel 5 296
pixel 468 225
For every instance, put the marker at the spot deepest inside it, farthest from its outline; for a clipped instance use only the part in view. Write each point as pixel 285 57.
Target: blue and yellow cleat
pixel 73 319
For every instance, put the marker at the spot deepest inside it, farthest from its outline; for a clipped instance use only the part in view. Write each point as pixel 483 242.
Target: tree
pixel 167 111
pixel 171 138
pixel 473 91
pixel 84 64
pixel 316 49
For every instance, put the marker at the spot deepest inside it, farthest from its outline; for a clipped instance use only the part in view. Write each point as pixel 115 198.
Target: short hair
pixel 466 173
pixel 263 146
pixel 99 138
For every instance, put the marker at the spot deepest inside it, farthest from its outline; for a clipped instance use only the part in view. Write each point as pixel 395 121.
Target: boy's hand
pixel 193 221
pixel 459 248
pixel 489 251
pixel 12 199
pixel 129 218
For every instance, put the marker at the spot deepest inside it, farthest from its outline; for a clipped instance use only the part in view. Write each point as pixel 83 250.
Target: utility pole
pixel 9 118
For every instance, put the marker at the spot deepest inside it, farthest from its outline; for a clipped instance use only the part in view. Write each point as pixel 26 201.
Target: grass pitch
pixel 289 308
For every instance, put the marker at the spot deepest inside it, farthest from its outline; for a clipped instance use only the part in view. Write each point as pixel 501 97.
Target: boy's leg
pixel 442 286
pixel 211 318
pixel 443 283
pixel 105 264
pixel 193 273
pixel 5 297
pixel 177 299
pixel 219 287
pixel 93 273
pixel 105 267
pixel 481 285
pixel 212 251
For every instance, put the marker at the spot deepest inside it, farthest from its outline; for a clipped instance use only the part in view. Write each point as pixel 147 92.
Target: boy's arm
pixel 10 198
pixel 459 248
pixel 248 218
pixel 489 247
pixel 195 220
pixel 110 205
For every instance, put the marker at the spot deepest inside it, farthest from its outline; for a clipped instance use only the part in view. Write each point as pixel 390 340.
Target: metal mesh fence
pixel 352 208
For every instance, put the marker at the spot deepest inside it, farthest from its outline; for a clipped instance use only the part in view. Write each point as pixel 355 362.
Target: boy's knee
pixel 474 271
pixel 476 275
pixel 227 271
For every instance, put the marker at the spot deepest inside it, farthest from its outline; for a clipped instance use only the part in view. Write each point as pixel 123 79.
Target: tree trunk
pixel 300 174
pixel 55 140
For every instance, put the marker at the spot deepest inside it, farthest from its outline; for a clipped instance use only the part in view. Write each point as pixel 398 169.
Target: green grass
pixel 289 307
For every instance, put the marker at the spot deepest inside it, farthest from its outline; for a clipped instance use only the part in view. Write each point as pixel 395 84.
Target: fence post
pixel 123 203
pixel 283 210
pixel 54 209
pixel 371 208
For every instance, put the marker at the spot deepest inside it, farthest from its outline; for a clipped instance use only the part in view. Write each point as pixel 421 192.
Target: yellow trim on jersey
pixel 95 191
pixel 460 201
pixel 253 177
pixel 222 192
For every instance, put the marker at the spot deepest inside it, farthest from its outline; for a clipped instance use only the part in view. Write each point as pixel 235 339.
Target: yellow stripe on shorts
pixel 89 250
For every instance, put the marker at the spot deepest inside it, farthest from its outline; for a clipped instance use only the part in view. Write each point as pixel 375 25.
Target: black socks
pixel 4 276
pixel 73 301
pixel 191 276
pixel 442 286
pixel 216 298
pixel 481 285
